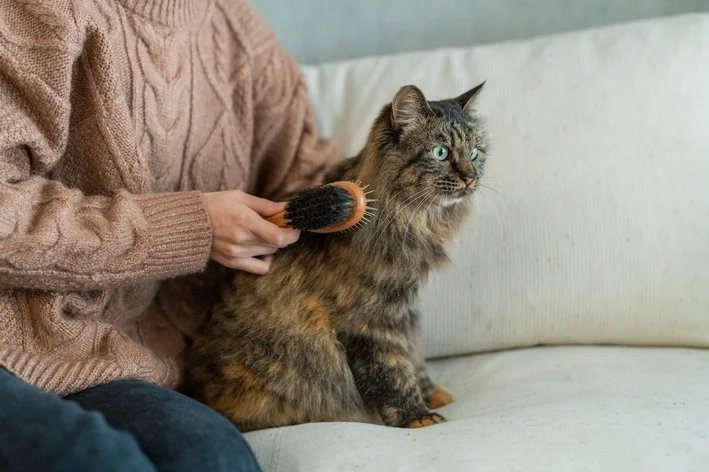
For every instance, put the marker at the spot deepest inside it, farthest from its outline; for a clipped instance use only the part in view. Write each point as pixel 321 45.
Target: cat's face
pixel 435 150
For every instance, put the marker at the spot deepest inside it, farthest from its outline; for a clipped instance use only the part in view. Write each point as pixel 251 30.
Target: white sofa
pixel 596 248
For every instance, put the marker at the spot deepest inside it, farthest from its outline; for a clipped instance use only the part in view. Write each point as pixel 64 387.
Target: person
pixel 139 139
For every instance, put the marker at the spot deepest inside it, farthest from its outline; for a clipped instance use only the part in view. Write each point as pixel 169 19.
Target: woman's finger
pixel 253 265
pixel 235 252
pixel 272 234
pixel 262 206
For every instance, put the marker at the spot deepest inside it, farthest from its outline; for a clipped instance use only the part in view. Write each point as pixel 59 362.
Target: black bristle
pixel 319 207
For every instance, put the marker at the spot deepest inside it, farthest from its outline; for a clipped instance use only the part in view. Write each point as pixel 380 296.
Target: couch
pixel 573 323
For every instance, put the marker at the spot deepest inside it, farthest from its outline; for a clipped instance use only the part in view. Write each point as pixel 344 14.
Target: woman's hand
pixel 240 234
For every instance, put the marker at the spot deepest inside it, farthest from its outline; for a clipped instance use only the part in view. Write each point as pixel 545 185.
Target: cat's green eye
pixel 474 154
pixel 440 152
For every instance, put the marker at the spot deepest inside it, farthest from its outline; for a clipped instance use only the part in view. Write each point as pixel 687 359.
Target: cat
pixel 332 332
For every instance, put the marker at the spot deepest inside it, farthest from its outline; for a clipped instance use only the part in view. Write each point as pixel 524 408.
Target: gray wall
pixel 315 31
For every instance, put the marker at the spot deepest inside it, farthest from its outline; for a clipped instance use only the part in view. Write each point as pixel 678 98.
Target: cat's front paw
pixel 427 420
pixel 440 396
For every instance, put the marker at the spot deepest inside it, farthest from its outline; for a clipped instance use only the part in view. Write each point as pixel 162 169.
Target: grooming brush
pixel 339 206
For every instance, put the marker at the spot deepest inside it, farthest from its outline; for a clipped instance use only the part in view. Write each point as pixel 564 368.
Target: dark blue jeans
pixel 121 426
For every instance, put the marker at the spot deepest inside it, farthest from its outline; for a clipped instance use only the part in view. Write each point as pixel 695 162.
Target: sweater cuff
pixel 181 233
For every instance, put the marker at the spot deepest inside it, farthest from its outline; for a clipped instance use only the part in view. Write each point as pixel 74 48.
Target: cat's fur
pixel 331 333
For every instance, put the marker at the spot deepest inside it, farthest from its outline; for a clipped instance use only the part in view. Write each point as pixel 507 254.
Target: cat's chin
pixel 450 201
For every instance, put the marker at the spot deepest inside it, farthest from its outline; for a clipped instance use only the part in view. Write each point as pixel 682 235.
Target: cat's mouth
pixel 454 197
pixel 453 190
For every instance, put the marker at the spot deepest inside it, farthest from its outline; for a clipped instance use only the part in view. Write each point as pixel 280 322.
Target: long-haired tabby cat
pixel 331 333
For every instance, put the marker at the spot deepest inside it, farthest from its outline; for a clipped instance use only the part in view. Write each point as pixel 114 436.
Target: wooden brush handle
pixel 279 219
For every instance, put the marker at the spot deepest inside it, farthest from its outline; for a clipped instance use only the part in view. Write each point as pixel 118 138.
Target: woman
pixel 133 134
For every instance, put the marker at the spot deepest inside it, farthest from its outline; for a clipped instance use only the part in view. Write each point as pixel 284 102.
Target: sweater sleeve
pixel 288 153
pixel 56 238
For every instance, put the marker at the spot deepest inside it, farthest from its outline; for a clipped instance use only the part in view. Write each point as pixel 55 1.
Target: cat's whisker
pixel 418 189
pixel 428 208
pixel 497 214
pixel 408 199
pixel 415 212
pixel 391 200
pixel 408 202
pixel 492 177
pixel 439 212
pixel 393 197
pixel 495 190
pixel 398 210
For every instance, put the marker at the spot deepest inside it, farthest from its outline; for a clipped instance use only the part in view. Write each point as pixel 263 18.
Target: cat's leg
pixel 386 377
pixel 436 396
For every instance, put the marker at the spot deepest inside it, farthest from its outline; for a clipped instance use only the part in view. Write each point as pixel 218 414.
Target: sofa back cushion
pixel 595 225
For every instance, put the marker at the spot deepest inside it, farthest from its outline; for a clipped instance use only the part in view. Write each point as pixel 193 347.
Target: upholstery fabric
pixel 552 409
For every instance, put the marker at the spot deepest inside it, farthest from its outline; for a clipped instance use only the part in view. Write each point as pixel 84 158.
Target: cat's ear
pixel 468 99
pixel 409 106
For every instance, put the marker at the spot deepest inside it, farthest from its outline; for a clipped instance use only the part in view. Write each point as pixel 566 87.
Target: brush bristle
pixel 319 207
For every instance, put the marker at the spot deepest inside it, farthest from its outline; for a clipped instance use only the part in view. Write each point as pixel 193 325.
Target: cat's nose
pixel 468 181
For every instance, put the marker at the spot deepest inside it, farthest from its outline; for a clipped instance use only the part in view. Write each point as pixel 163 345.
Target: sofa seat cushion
pixel 600 409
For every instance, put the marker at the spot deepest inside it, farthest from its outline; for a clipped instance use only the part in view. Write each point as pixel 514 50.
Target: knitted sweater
pixel 115 116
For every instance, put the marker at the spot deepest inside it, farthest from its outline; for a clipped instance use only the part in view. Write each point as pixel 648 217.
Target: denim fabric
pixel 121 426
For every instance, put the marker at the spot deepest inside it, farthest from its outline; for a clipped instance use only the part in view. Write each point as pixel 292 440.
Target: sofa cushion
pixel 600 409
pixel 597 230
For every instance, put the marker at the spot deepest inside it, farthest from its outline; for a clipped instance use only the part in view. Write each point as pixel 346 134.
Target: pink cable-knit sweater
pixel 114 117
